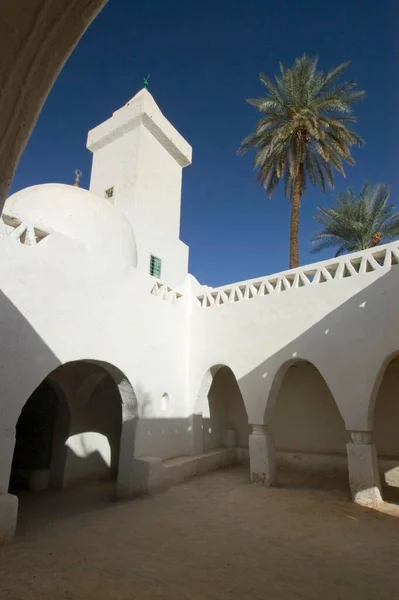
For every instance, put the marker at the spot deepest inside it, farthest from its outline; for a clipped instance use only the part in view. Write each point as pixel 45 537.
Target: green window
pixel 109 193
pixel 155 266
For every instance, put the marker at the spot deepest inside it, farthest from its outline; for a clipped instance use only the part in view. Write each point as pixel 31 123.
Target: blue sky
pixel 204 58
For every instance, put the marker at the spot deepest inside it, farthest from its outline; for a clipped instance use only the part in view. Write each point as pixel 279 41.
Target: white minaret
pixel 138 157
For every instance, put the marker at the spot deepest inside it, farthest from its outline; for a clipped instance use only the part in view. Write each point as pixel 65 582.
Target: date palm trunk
pixel 295 206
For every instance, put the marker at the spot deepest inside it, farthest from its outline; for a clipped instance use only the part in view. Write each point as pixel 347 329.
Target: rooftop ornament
pixel 78 175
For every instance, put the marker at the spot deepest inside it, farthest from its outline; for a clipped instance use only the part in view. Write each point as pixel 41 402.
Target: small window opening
pixel 109 193
pixel 164 402
pixel 155 266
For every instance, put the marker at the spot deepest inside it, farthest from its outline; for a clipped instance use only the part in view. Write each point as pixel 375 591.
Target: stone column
pixel 262 456
pixel 364 478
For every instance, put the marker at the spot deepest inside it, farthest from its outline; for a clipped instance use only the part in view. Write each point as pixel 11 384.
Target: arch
pixel 385 419
pixel 278 379
pixel 221 404
pixel 39 37
pixel 81 386
pixel 377 384
pixel 201 403
pixel 307 425
pixel 164 403
pixel 41 431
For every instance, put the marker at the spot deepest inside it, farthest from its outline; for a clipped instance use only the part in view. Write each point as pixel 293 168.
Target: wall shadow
pixel 386 427
pixel 309 432
pixel 362 306
pixel 227 423
pixel 25 362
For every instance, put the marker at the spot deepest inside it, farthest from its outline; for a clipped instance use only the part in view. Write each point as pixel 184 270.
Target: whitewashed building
pixel 117 363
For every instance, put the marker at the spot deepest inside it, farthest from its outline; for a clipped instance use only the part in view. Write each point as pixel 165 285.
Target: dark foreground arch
pixel 37 36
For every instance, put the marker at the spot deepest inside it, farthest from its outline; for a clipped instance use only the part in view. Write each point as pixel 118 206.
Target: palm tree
pixel 303 135
pixel 357 223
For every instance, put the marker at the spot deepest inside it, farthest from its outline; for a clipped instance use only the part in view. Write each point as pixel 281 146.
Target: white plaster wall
pixel 142 155
pixel 159 185
pixel 93 311
pixel 116 165
pixel 328 324
pixel 147 189
pixel 151 239
pixel 97 226
pixel 90 312
pixel 305 418
pixel 163 437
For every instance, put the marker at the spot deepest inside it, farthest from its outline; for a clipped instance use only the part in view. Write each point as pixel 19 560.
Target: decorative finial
pixel 78 175
pixel 145 82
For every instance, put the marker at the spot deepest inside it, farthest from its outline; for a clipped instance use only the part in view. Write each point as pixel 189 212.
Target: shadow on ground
pixel 215 537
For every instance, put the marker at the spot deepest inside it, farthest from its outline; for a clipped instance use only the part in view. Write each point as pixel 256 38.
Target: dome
pixel 77 214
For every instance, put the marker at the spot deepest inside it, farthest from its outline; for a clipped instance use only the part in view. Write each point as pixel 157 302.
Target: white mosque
pixel 117 363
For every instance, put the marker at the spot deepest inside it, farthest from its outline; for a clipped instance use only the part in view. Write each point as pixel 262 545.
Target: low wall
pixel 328 464
pixel 153 475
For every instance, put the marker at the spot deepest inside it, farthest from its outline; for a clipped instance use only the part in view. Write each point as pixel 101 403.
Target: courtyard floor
pixel 215 537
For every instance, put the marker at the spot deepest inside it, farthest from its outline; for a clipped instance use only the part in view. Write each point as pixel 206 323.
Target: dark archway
pixel 386 428
pixel 309 431
pixel 39 439
pixel 226 422
pixel 69 434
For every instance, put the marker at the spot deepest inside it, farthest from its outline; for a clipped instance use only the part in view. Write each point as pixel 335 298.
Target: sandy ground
pixel 215 537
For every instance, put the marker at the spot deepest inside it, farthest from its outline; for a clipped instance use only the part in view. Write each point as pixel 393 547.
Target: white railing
pixel 165 292
pixel 350 265
pixel 24 233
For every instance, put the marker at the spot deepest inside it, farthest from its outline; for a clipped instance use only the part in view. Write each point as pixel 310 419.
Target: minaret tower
pixel 138 157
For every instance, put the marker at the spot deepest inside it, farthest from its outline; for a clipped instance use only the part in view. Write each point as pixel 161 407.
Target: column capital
pixel 259 430
pixel 361 437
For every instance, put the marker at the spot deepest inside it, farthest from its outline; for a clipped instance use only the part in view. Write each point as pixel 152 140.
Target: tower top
pixel 141 110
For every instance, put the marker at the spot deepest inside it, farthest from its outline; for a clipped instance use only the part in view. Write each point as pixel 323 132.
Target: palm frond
pixel 354 222
pixel 305 117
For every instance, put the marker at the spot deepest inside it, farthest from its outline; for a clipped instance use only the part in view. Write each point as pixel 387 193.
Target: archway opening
pixel 309 432
pixel 35 440
pixel 68 436
pixel 386 431
pixel 96 421
pixel 226 423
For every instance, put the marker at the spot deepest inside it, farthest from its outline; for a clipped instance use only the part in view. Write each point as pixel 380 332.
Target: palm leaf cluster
pixel 303 134
pixel 305 118
pixel 356 223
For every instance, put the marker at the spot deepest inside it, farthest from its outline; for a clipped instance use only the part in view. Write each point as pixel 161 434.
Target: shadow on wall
pixel 227 423
pixel 95 431
pixel 323 343
pixel 25 363
pixel 35 432
pixel 23 358
pixel 386 425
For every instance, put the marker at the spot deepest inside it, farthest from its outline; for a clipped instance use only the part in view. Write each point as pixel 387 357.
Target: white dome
pixel 78 214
